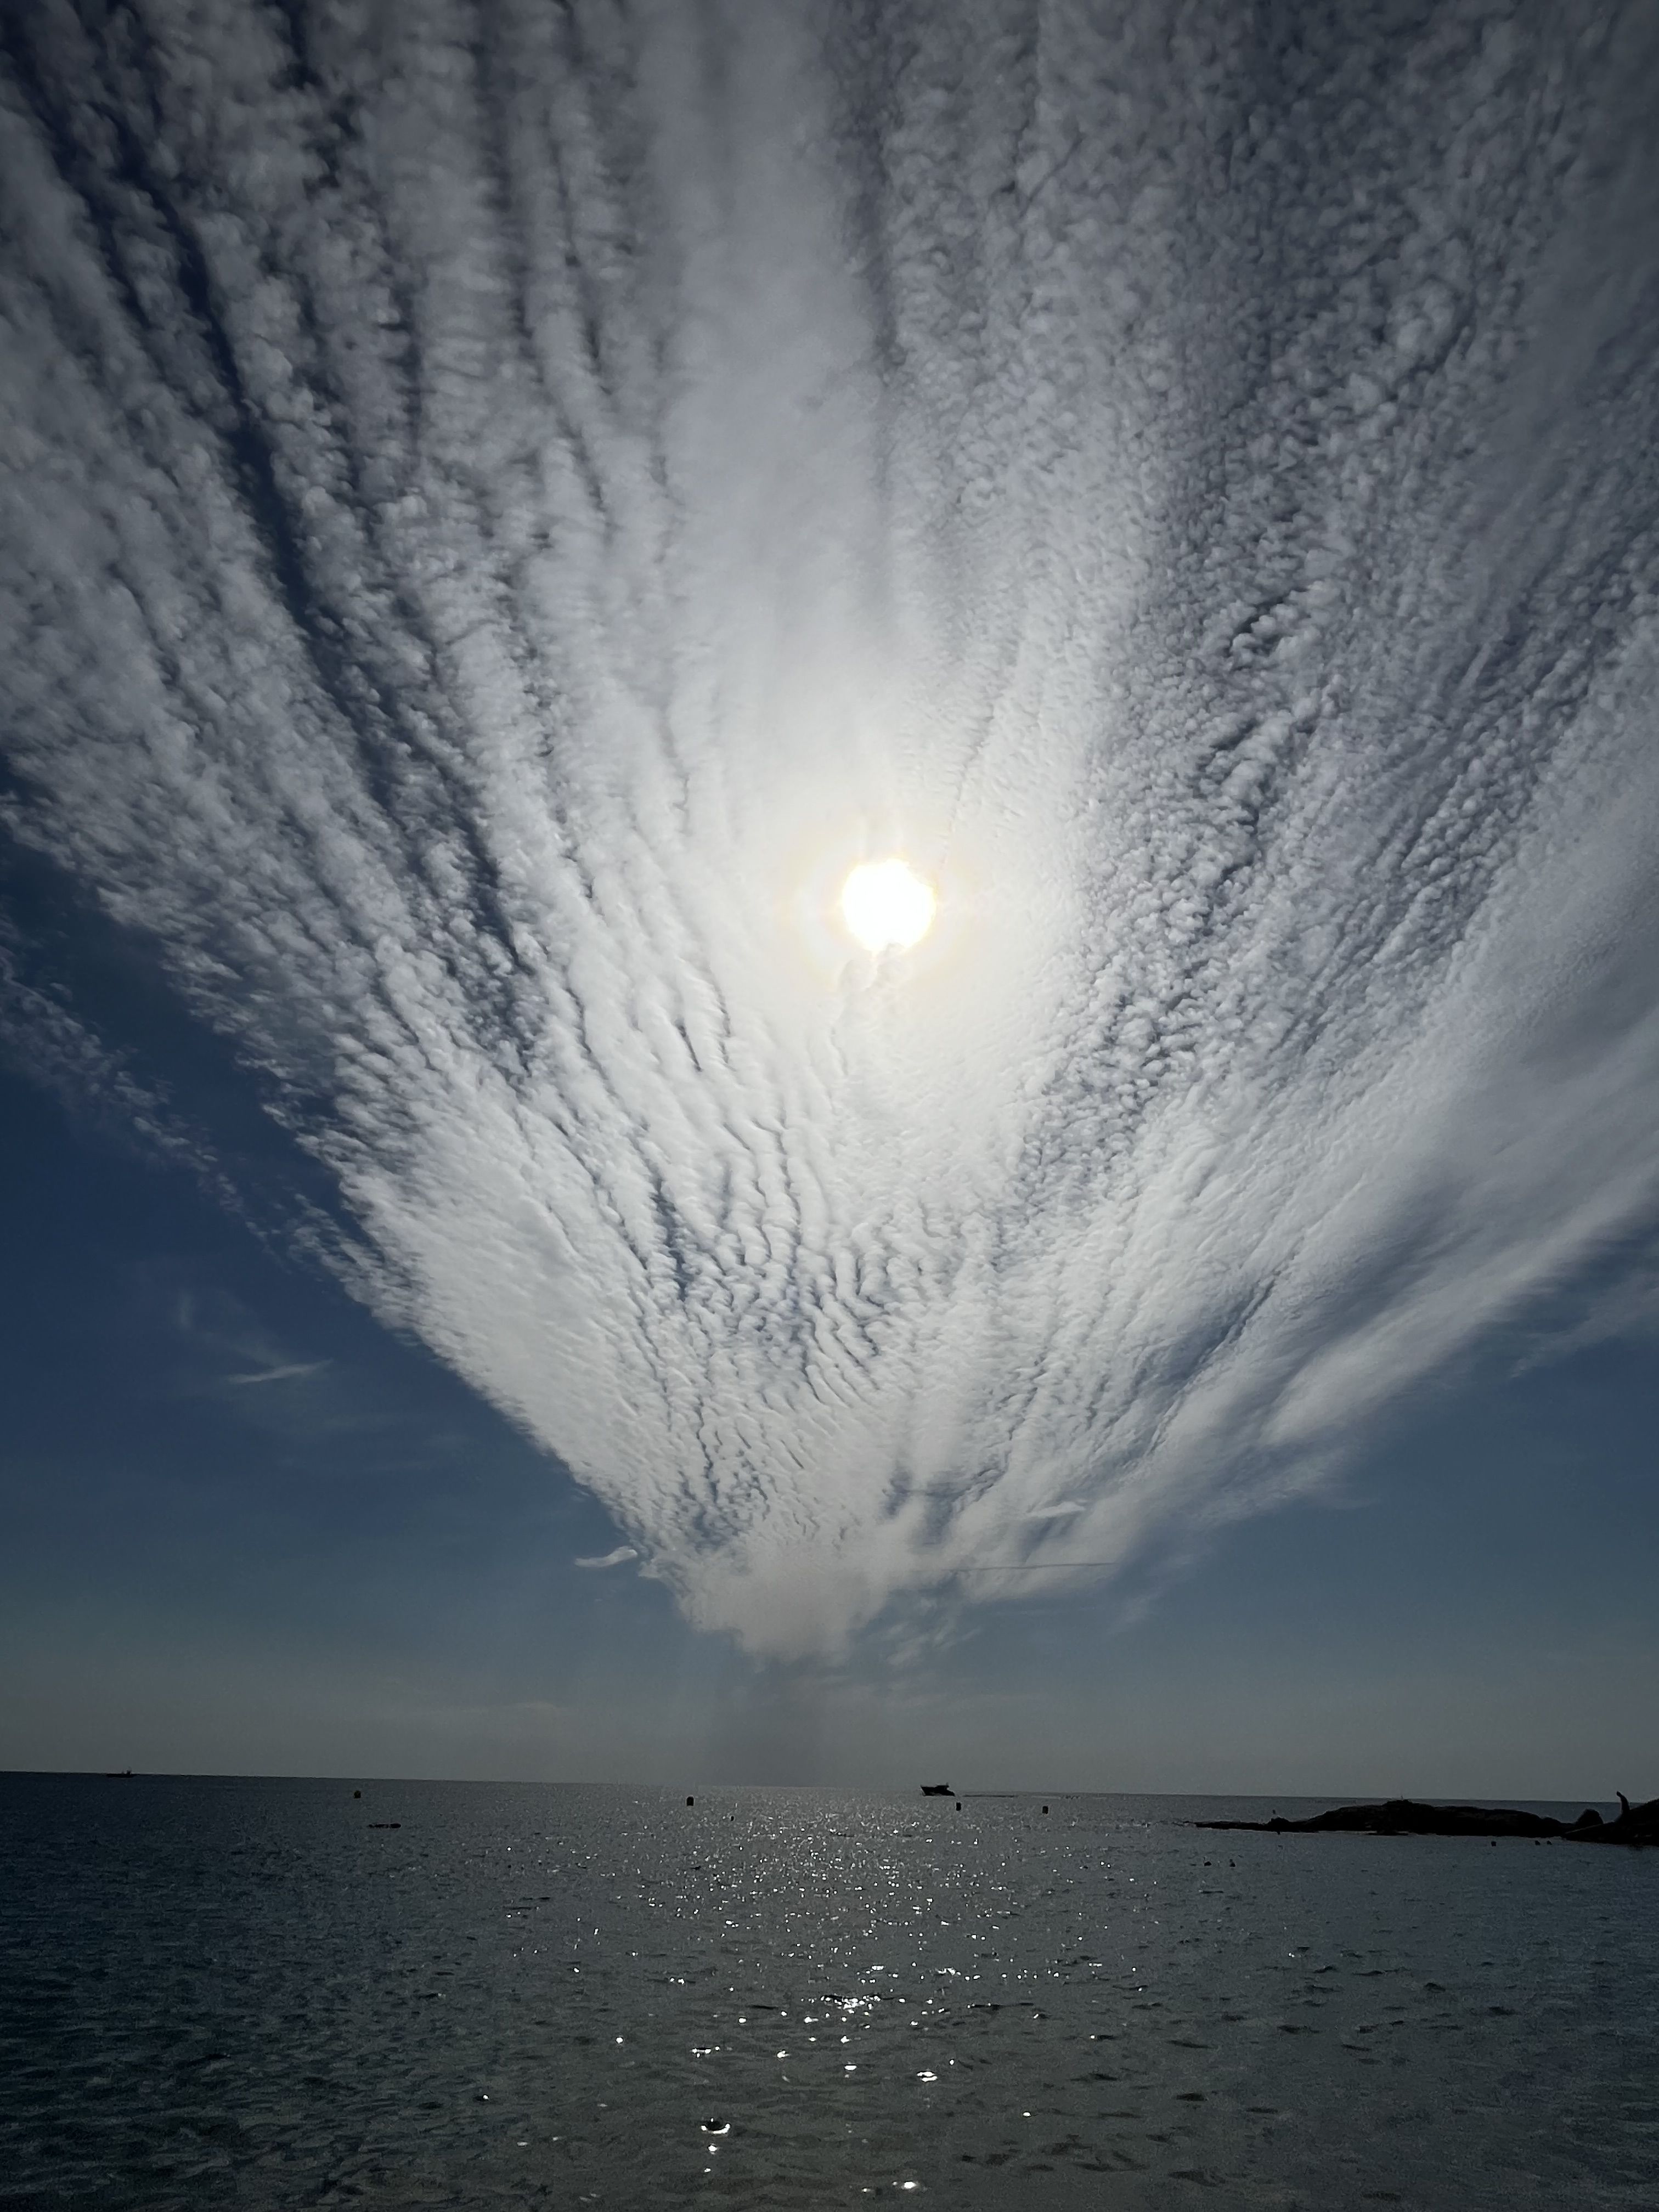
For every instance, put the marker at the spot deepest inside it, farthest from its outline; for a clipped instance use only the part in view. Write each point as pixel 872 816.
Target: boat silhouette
pixel 936 1789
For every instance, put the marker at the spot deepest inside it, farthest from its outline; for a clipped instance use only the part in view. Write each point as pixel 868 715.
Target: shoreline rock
pixel 1635 1825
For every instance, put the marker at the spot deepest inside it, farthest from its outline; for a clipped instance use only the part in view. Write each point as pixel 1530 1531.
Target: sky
pixel 505 508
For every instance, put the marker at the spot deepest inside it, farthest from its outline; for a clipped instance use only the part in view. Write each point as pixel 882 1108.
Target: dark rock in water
pixel 1636 1824
pixel 1404 1816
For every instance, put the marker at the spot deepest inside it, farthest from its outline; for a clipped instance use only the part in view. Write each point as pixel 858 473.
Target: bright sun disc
pixel 886 905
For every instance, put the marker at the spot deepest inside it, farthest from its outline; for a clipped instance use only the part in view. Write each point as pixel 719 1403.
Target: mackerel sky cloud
pixel 506 508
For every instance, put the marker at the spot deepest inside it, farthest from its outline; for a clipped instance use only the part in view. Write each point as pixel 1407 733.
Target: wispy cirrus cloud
pixel 504 510
pixel 290 1371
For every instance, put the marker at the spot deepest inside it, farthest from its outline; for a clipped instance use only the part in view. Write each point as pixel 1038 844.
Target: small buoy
pixel 356 1793
pixel 1045 1808
pixel 958 1804
pixel 690 1801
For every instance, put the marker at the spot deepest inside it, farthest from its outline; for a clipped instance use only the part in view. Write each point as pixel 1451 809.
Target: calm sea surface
pixel 242 1993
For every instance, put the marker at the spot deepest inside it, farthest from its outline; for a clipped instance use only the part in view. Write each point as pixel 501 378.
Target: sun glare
pixel 887 905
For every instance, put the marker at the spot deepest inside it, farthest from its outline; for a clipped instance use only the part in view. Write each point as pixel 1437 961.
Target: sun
pixel 887 905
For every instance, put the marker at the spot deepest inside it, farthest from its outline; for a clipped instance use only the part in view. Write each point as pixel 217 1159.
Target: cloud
pixel 43 1038
pixel 505 515
pixel 290 1371
pixel 619 1557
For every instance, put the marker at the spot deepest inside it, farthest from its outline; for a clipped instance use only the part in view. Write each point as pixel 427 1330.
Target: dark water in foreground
pixel 233 1993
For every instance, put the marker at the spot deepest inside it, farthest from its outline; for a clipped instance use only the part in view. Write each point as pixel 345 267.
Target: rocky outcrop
pixel 1636 1824
pixel 1404 1816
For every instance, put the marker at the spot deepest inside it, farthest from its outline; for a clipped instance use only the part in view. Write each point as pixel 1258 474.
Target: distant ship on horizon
pixel 936 1789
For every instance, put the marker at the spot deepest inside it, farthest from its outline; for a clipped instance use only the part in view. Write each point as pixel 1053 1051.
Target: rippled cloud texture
pixel 506 505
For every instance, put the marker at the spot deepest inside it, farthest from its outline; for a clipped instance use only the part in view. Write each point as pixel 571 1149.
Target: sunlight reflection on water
pixel 238 1993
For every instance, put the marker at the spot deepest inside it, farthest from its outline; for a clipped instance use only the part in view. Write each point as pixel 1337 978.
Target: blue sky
pixel 507 510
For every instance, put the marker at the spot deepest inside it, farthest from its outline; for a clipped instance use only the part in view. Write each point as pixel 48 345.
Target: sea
pixel 263 1993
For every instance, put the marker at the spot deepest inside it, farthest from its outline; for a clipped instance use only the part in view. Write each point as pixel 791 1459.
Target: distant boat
pixel 936 1789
